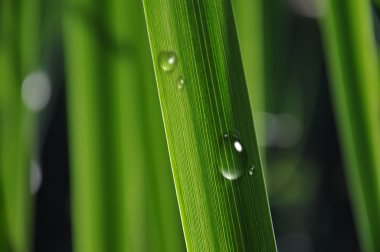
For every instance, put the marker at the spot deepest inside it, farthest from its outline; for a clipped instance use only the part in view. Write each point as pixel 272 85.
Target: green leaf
pixel 250 24
pixel 122 189
pixel 350 43
pixel 209 126
pixel 17 124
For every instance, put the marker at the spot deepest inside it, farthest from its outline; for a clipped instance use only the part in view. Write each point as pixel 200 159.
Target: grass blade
pixel 206 110
pixel 115 129
pixel 141 122
pixel 350 44
pixel 250 24
pixel 19 55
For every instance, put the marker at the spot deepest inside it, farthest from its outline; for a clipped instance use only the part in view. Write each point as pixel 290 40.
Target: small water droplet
pixel 251 170
pixel 181 83
pixel 233 157
pixel 167 60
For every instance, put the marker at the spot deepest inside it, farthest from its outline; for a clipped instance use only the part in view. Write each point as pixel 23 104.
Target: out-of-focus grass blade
pixel 19 54
pixel 351 50
pixel 123 196
pixel 3 234
pixel 209 127
pixel 250 24
pixel 140 135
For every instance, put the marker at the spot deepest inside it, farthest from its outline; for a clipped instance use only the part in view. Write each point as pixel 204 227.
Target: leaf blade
pixel 217 215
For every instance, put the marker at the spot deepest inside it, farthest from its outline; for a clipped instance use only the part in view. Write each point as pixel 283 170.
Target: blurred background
pixel 305 175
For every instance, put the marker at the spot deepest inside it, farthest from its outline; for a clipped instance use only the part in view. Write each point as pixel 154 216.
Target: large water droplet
pixel 167 60
pixel 233 158
pixel 181 83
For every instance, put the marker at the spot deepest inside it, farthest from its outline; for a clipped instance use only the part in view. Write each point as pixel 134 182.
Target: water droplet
pixel 251 170
pixel 168 61
pixel 181 83
pixel 233 157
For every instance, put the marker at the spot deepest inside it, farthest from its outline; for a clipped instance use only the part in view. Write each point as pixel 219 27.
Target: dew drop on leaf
pixel 181 83
pixel 167 60
pixel 233 157
pixel 251 170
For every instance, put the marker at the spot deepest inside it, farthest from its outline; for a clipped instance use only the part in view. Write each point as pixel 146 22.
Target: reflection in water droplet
pixel 238 146
pixel 167 61
pixel 231 174
pixel 181 83
pixel 233 157
pixel 251 170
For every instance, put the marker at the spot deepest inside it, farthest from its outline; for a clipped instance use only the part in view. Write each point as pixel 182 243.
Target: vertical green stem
pixel 351 50
pixel 84 61
pixel 19 54
pixel 250 24
pixel 115 126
